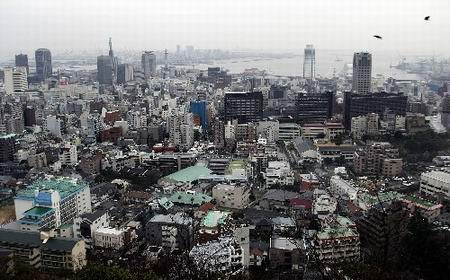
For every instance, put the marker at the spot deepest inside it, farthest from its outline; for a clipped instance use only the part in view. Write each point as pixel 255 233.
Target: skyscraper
pixel 362 72
pixel 105 70
pixel 149 64
pixel 43 64
pixel 15 79
pixel 22 61
pixel 114 60
pixel 125 73
pixel 309 62
pixel 445 114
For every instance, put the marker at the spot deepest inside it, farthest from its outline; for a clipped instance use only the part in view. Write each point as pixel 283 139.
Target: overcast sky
pixel 229 24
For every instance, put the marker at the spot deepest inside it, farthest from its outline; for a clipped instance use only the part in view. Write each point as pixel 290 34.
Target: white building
pixel 268 130
pixel 343 189
pixel 435 183
pixel 323 204
pixel 230 131
pixel 51 203
pixel 109 238
pixel 279 173
pixel 231 195
pixel 15 79
pixel 288 131
pixel 221 255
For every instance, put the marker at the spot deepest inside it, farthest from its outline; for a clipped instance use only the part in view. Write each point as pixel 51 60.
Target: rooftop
pixel 65 187
pixel 189 174
pixel 33 240
pixel 189 198
pixel 214 218
pixel 420 201
pixel 38 211
pixel 336 232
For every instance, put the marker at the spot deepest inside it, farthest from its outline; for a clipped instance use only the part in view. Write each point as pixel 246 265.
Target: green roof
pixel 419 201
pixel 189 174
pixel 214 218
pixel 65 187
pixel 38 211
pixel 189 199
pixel 383 197
pixel 336 232
pixel 6 136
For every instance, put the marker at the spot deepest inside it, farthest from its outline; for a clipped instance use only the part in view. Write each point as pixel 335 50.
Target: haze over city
pixel 226 24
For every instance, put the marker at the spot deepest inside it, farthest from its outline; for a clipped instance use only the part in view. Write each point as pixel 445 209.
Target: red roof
pixel 307 204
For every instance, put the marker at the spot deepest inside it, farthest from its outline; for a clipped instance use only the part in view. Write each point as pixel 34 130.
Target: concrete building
pixel 21 60
pixel 171 231
pixel 365 125
pixel 55 253
pixel 426 208
pixel 8 147
pixel 105 70
pixel 314 108
pixel 15 80
pixel 243 106
pixel 86 224
pixel 342 189
pixel 109 238
pixel 125 73
pixel 309 62
pixel 54 126
pixel 435 183
pixel 279 173
pixel 222 255
pixel 338 243
pixel 51 203
pixel 43 59
pixel 445 114
pixel 362 72
pixel 148 62
pixel 231 195
pixel 380 158
pixel 69 155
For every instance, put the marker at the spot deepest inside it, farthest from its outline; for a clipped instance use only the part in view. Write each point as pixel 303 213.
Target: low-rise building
pixel 337 244
pixel 435 183
pixel 53 253
pixel 231 195
pixel 279 173
pixel 105 237
pixel 427 209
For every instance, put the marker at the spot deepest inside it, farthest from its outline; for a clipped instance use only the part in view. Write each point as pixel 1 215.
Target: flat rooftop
pixel 65 187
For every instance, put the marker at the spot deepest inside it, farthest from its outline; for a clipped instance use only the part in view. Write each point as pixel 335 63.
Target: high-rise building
pixel 8 147
pixel 125 73
pixel 445 114
pixel 314 108
pixel 43 64
pixel 198 109
pixel 114 60
pixel 22 61
pixel 362 72
pixel 244 106
pixel 309 62
pixel 15 79
pixel 105 70
pixel 149 64
pixel 361 105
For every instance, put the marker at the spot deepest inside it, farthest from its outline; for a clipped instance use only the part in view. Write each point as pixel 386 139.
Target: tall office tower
pixel 445 114
pixel 309 62
pixel 22 61
pixel 243 106
pixel 199 109
pixel 149 64
pixel 113 60
pixel 362 72
pixel 15 79
pixel 125 73
pixel 43 64
pixel 105 70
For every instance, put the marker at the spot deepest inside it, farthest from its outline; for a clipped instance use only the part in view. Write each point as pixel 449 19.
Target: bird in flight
pixel 427 18
pixel 378 37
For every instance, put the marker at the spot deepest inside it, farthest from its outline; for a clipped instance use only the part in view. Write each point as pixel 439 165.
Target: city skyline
pixel 227 24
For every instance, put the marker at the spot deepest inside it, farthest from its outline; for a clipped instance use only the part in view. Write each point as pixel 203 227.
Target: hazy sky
pixel 257 24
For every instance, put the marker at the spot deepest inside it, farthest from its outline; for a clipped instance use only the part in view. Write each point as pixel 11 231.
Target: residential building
pixel 380 158
pixel 105 237
pixel 279 173
pixel 426 208
pixel 86 224
pixel 435 183
pixel 171 231
pixel 51 203
pixel 234 196
pixel 54 253
pixel 8 147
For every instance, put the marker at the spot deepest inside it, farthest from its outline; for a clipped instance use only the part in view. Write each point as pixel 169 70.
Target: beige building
pixel 379 158
pixel 435 183
pixel 231 195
